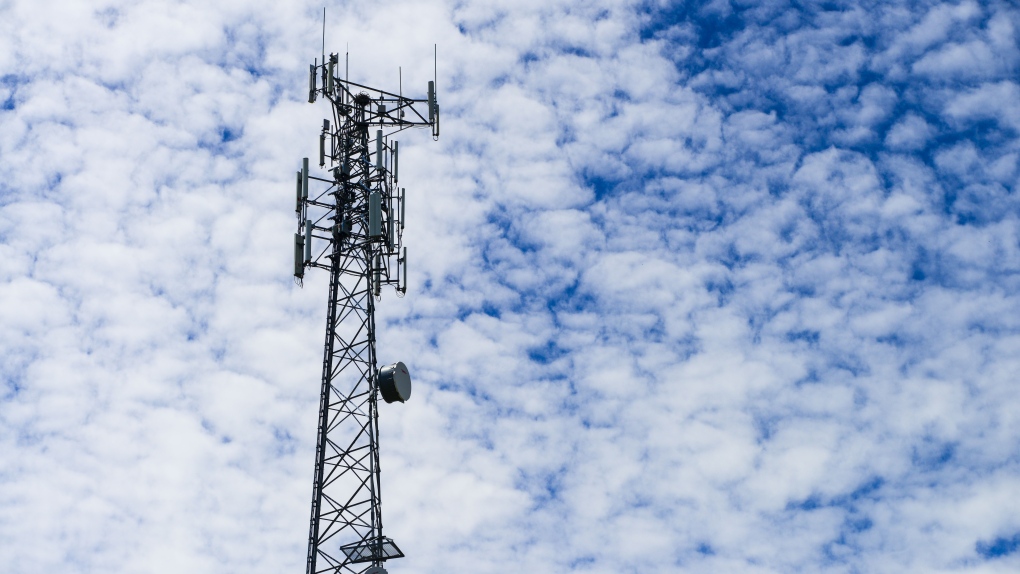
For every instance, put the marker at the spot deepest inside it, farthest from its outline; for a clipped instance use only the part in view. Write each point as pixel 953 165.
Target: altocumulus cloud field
pixel 695 287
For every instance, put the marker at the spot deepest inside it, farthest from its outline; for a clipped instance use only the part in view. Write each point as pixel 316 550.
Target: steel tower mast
pixel 352 225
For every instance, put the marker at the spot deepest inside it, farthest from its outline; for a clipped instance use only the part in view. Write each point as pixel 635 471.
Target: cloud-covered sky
pixel 702 287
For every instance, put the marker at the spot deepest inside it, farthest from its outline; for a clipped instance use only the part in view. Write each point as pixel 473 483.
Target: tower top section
pixel 373 107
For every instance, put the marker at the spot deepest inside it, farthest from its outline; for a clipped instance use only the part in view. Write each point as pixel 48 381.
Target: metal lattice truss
pixel 353 226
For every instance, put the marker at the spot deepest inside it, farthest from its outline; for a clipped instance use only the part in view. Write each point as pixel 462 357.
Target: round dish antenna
pixel 395 383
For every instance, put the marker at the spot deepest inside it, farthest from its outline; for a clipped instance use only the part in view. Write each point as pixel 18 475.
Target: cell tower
pixel 351 224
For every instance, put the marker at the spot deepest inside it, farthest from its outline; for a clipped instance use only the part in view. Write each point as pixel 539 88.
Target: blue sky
pixel 702 287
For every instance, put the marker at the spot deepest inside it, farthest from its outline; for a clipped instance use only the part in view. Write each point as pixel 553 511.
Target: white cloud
pixel 954 60
pixel 910 133
pixel 995 101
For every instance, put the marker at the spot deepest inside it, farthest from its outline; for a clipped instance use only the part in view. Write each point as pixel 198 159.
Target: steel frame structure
pixel 353 227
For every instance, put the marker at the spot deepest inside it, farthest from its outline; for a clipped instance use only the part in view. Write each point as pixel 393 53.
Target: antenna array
pixel 351 223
